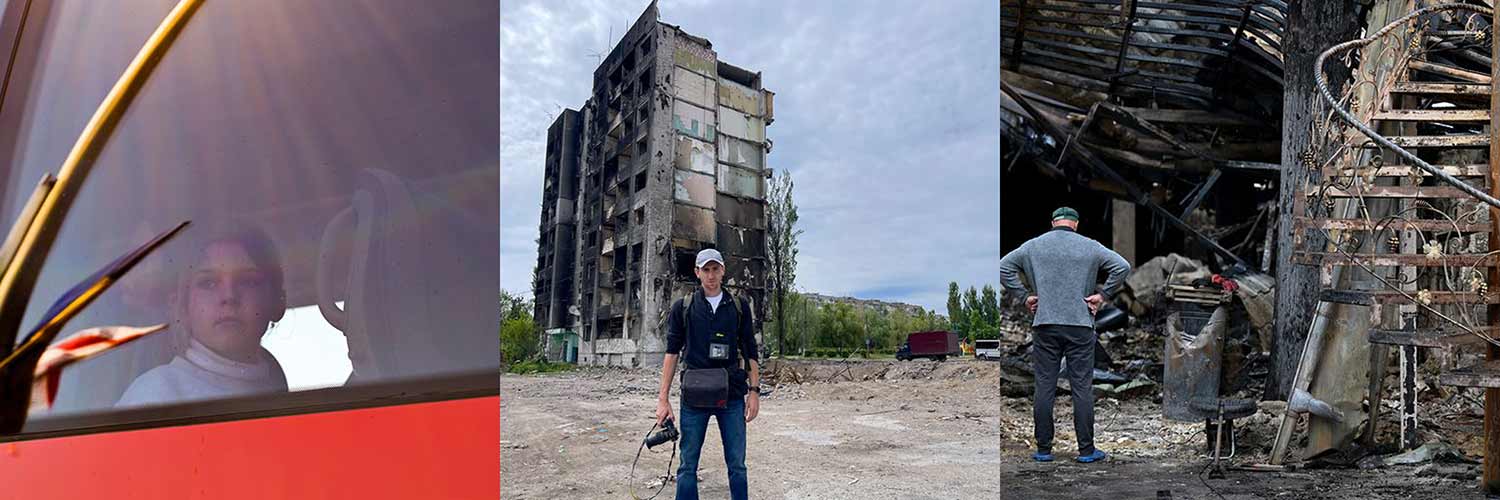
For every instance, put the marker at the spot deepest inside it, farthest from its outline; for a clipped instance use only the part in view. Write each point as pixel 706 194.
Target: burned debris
pixel 1310 215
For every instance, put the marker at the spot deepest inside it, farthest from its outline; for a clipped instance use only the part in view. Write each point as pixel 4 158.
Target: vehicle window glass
pixel 356 140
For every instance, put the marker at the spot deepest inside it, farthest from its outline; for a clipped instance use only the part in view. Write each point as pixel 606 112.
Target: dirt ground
pixel 1152 457
pixel 863 430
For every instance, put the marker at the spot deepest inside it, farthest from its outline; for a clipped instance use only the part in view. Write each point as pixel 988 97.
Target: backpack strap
pixel 686 309
pixel 687 336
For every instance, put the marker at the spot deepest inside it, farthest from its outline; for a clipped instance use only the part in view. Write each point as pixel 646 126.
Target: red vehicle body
pixel 935 345
pixel 362 137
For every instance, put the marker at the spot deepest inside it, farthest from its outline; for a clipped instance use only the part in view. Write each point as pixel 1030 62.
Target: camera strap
pixel 665 477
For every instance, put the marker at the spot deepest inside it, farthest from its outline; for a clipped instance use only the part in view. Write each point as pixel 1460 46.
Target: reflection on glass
pixel 360 136
pixel 226 298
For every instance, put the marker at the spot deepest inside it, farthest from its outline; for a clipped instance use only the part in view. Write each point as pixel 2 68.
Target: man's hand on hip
pixel 752 406
pixel 1031 304
pixel 663 410
pixel 1095 301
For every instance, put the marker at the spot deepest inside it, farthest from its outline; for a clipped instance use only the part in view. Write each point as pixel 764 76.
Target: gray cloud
pixel 887 117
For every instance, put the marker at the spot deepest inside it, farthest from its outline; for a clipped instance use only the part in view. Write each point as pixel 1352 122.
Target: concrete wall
pixel 695 194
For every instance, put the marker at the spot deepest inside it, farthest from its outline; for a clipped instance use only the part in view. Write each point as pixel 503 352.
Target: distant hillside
pixel 870 303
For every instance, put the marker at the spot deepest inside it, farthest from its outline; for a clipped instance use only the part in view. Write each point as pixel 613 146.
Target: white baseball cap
pixel 709 255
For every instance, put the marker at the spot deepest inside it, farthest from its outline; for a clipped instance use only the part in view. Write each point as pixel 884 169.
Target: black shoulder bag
pixel 707 387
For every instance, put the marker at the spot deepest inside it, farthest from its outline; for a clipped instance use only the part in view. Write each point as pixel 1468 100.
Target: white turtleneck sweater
pixel 201 374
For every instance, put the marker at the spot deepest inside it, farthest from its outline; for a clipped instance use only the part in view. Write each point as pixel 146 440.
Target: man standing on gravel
pixel 710 330
pixel 1063 267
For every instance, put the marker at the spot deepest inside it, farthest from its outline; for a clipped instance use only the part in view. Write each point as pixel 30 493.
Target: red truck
pixel 936 345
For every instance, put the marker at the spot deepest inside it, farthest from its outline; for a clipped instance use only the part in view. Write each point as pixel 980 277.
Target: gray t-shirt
pixel 1063 266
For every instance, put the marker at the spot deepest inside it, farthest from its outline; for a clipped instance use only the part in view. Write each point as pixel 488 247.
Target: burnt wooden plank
pixel 1200 19
pixel 1095 63
pixel 1045 72
pixel 1252 166
pixel 1188 50
pixel 1193 117
pixel 1449 71
pixel 1441 339
pixel 1474 89
pixel 1349 297
pixel 1437 141
pixel 1434 115
pixel 1396 192
pixel 1094 51
pixel 1486 375
pixel 1393 297
pixel 1394 260
pixel 1478 170
pixel 1195 9
pixel 1398 224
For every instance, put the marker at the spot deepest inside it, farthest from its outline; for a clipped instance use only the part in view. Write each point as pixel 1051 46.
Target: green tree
pixel 989 314
pixel 811 320
pixel 972 318
pixel 878 322
pixel 955 307
pixel 902 324
pixel 514 306
pixel 781 247
pixel 939 322
pixel 519 337
pixel 839 326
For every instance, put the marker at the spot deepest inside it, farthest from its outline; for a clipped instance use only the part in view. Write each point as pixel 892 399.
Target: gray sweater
pixel 1063 266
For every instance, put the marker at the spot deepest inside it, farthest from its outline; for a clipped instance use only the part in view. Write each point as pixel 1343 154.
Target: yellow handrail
pixel 20 277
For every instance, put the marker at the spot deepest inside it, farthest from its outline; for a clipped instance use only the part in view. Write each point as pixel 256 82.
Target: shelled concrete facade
pixel 553 290
pixel 672 160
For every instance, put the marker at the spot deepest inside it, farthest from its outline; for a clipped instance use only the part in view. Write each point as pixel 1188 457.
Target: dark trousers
pixel 1049 345
pixel 694 426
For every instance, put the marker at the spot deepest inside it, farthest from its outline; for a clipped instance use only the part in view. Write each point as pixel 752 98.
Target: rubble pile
pixel 1128 360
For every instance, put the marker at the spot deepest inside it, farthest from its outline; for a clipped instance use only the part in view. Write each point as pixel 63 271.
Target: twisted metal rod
pixel 1322 81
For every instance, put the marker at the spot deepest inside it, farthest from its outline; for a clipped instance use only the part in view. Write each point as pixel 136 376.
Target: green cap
pixel 1065 213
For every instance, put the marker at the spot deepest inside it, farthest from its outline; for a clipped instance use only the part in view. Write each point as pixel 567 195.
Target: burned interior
pixel 1307 192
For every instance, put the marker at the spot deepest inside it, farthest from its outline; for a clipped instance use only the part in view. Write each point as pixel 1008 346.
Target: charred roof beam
pixel 1134 193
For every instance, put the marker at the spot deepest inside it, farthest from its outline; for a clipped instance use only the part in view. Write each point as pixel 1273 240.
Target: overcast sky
pixel 887 117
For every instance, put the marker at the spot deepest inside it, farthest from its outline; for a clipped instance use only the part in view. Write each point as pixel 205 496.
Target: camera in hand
pixel 667 433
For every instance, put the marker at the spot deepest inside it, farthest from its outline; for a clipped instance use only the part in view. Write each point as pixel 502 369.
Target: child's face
pixel 229 301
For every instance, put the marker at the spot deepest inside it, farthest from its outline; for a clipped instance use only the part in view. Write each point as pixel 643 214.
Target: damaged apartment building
pixel 668 157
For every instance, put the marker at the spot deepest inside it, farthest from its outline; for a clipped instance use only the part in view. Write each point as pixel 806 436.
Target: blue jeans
pixel 694 425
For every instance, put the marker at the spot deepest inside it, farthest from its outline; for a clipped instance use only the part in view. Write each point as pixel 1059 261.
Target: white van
pixel 986 349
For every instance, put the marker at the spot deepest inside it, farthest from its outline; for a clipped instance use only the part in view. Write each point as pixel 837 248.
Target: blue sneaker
pixel 1041 457
pixel 1092 457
